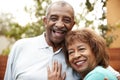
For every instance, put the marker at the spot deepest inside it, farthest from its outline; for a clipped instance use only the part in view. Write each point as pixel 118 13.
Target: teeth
pixel 80 62
pixel 61 32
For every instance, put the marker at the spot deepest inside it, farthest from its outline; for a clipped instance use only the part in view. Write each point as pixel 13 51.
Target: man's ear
pixel 74 23
pixel 45 20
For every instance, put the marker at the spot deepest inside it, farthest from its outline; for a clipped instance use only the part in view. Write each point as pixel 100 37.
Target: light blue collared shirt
pixel 29 58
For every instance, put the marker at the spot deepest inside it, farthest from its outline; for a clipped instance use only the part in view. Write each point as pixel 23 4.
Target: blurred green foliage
pixel 17 31
pixel 11 29
pixel 103 28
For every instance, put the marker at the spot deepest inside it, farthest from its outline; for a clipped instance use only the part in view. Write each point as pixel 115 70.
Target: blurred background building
pixel 113 19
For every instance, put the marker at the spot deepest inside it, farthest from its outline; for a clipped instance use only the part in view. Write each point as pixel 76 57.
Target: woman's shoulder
pixel 99 73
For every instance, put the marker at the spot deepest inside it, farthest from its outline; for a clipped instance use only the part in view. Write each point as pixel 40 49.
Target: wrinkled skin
pixel 55 72
pixel 57 23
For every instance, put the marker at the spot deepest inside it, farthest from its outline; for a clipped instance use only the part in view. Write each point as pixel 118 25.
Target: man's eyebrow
pixel 53 15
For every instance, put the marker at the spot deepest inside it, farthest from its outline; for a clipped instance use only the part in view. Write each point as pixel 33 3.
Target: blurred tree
pixel 97 10
pixel 11 29
pixel 17 31
pixel 36 28
pixel 5 19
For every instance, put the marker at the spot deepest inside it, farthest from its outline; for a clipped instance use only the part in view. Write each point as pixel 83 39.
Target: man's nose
pixel 59 23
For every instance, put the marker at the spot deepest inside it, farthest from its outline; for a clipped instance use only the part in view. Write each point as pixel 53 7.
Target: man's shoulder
pixel 27 41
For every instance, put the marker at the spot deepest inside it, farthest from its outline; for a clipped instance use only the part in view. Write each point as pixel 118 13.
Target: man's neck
pixel 55 46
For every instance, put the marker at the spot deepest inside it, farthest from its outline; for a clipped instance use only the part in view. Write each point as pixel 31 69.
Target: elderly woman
pixel 87 54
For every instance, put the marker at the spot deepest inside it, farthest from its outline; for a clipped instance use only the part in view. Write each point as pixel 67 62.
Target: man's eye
pixel 53 18
pixel 67 20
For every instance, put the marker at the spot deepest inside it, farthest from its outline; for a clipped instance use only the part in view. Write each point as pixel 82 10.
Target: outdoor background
pixel 23 18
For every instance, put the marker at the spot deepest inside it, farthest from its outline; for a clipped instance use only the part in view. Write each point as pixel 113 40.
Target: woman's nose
pixel 77 55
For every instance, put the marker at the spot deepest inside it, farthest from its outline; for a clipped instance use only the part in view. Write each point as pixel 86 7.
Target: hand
pixel 55 73
pixel 118 77
pixel 105 78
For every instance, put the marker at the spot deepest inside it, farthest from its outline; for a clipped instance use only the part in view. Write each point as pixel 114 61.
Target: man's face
pixel 58 22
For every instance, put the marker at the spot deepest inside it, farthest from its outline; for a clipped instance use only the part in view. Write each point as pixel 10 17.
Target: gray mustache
pixel 60 29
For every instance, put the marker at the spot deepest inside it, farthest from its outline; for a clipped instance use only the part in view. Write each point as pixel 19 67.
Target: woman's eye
pixel 81 49
pixel 70 52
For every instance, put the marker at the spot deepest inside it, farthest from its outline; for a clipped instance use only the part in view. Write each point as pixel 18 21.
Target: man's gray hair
pixel 61 3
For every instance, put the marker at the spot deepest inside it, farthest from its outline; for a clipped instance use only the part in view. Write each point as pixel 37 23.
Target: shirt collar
pixel 42 42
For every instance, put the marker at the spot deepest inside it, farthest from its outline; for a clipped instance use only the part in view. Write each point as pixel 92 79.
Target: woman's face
pixel 81 57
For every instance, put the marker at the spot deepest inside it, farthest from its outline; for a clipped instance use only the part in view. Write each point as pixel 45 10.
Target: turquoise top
pixel 99 73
